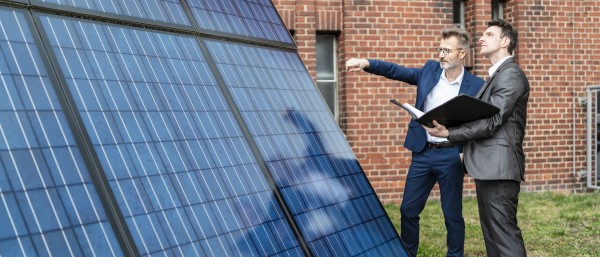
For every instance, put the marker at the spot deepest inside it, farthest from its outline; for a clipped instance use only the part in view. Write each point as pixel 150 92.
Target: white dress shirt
pixel 441 93
pixel 495 66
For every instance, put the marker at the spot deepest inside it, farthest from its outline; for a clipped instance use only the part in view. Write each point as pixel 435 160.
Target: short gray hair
pixel 460 34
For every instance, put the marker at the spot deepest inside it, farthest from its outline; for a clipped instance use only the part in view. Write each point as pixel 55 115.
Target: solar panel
pixel 48 204
pixel 255 19
pixel 177 162
pixel 315 169
pixel 119 140
pixel 169 11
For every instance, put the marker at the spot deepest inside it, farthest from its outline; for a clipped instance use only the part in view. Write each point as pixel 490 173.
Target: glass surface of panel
pixel 257 19
pixel 168 11
pixel 184 176
pixel 336 209
pixel 48 204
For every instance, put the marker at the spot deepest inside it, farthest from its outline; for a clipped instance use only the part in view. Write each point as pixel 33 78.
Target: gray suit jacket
pixel 493 147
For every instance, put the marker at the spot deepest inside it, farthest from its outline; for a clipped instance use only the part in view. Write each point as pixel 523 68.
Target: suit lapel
pixel 464 85
pixel 484 87
pixel 489 81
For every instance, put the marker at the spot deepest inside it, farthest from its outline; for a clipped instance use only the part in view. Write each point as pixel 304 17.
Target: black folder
pixel 456 111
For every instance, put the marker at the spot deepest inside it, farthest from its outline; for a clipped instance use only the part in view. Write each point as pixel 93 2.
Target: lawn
pixel 552 224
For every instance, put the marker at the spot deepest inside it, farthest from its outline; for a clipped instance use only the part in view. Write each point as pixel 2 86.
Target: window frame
pixel 458 11
pixel 335 79
pixel 498 9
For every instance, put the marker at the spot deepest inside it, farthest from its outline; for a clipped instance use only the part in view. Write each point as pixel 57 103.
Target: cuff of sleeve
pixel 450 136
pixel 367 68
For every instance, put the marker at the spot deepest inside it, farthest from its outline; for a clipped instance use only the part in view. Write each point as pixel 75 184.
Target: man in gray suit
pixel 493 147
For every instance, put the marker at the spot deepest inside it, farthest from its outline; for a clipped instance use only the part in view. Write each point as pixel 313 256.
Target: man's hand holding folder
pixel 456 111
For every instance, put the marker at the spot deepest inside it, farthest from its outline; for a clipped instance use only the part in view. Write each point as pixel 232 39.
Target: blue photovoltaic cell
pixel 48 204
pixel 176 160
pixel 337 211
pixel 169 11
pixel 248 18
pixel 178 164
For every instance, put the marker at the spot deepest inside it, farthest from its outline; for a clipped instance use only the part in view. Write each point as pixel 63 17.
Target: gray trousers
pixel 497 201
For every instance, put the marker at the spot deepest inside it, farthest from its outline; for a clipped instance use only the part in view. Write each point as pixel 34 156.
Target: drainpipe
pixel 574 131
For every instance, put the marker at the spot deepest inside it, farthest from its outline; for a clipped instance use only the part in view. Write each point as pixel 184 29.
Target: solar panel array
pixel 124 139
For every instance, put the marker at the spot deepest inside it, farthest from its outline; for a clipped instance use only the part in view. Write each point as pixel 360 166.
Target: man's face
pixel 491 41
pixel 451 54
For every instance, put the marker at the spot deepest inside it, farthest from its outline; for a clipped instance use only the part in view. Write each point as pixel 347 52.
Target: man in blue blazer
pixel 434 159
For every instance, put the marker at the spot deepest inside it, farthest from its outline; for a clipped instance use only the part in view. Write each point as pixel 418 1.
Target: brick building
pixel 557 50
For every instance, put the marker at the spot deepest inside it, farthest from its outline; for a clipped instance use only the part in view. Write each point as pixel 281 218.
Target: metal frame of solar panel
pixel 172 128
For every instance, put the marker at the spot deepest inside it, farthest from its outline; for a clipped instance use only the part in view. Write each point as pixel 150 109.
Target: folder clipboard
pixel 456 111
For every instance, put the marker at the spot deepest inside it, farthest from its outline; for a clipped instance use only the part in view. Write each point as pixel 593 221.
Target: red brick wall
pixel 557 49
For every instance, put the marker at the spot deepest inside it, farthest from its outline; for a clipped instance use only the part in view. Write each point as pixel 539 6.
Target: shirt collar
pixel 458 80
pixel 495 66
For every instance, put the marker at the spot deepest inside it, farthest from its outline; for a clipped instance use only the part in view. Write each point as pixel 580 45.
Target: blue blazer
pixel 425 78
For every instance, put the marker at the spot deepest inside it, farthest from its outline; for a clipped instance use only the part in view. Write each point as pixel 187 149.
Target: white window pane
pixel 325 57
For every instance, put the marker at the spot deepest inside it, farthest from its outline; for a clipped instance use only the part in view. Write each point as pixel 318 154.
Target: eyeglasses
pixel 446 51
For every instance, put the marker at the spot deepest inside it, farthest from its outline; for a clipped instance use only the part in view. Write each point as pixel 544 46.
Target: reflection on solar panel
pixel 314 168
pixel 121 141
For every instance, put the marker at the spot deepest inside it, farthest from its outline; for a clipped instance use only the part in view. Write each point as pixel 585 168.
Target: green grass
pixel 552 225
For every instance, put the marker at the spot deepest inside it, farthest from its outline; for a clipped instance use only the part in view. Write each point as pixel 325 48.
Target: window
pixel 497 9
pixel 326 70
pixel 458 11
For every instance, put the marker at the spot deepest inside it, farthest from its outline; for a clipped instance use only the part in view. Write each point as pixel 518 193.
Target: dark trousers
pixel 497 201
pixel 444 166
